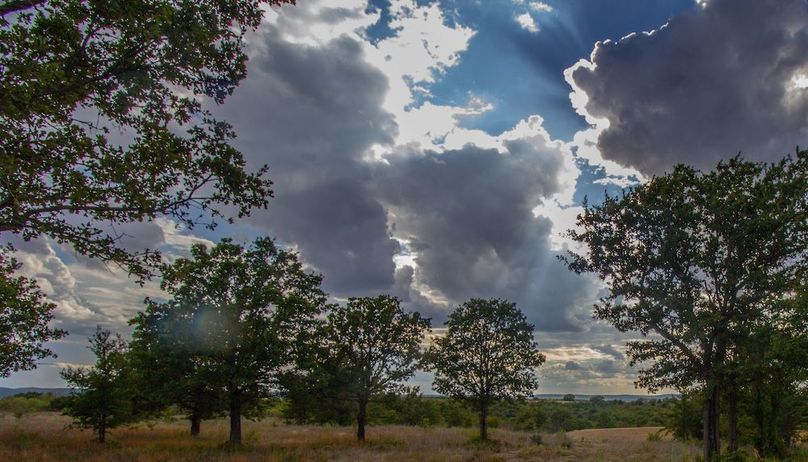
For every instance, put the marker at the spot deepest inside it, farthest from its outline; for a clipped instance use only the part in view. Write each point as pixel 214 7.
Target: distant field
pixel 43 437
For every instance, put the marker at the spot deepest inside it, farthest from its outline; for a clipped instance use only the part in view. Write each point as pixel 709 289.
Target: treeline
pixel 427 411
pixel 525 415
pixel 246 323
pixel 769 422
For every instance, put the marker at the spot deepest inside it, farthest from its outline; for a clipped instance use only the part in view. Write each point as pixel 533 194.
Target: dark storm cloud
pixel 467 215
pixel 609 350
pixel 311 114
pixel 714 82
pixel 573 366
pixel 608 368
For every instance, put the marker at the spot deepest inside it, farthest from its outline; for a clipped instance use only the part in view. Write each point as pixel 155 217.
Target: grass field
pixel 43 437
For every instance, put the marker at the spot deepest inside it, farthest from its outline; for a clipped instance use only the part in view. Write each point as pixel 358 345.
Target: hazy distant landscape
pixel 4 391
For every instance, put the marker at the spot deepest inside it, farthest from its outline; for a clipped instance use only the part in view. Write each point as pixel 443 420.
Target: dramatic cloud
pixel 467 216
pixel 389 177
pixel 312 114
pixel 384 194
pixel 713 82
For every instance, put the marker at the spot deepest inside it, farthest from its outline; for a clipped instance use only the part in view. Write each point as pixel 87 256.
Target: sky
pixel 438 150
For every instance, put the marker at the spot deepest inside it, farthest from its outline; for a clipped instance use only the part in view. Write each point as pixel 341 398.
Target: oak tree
pixel 168 372
pixel 487 354
pixel 25 315
pixel 377 345
pixel 102 123
pixel 693 261
pixel 237 313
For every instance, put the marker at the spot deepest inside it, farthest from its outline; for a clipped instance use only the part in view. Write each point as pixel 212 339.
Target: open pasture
pixel 45 437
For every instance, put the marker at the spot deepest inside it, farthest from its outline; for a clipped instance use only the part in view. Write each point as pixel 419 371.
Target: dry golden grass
pixel 43 437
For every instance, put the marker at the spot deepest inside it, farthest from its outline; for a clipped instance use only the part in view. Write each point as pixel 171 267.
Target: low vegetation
pixel 402 428
pixel 42 437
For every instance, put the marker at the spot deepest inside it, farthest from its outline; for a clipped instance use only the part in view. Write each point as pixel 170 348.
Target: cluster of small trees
pixel 246 323
pixel 531 415
pixel 711 269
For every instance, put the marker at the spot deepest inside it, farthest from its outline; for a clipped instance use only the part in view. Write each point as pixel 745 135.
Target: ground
pixel 44 437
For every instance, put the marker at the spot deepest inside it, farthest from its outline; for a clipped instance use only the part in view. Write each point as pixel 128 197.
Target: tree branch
pixel 677 342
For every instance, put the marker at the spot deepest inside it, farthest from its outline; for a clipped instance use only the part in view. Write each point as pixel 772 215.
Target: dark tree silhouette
pixel 699 260
pixel 102 397
pixel 236 314
pixel 487 354
pixel 24 319
pixel 378 346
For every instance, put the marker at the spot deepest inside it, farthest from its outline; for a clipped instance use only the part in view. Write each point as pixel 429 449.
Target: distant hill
pixel 559 396
pixel 16 391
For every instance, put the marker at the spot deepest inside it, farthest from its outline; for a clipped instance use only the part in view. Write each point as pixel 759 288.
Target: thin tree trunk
pixel 484 422
pixel 196 423
pixel 732 415
pixel 712 449
pixel 759 418
pixel 102 430
pixel 361 419
pixel 235 418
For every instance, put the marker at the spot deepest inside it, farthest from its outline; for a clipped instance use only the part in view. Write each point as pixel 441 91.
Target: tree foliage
pixel 770 364
pixel 378 346
pixel 167 373
pixel 694 261
pixel 487 354
pixel 102 121
pixel 24 319
pixel 236 315
pixel 102 396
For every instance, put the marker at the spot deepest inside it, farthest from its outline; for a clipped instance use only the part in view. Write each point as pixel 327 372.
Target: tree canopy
pixel 695 261
pixel 378 346
pixel 102 393
pixel 487 354
pixel 237 312
pixel 167 370
pixel 102 121
pixel 24 319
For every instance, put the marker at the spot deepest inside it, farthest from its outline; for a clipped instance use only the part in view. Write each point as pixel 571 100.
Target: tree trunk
pixel 732 416
pixel 196 423
pixel 361 419
pixel 712 447
pixel 102 430
pixel 235 418
pixel 484 422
